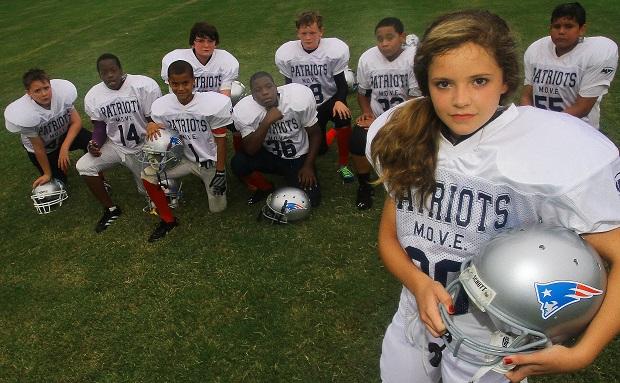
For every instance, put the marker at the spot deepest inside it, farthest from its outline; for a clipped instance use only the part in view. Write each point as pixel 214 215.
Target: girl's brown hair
pixel 406 147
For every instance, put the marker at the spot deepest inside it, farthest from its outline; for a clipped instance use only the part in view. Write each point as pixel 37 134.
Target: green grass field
pixel 223 298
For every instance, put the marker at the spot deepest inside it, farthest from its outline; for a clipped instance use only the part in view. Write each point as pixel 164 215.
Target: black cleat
pixel 258 196
pixel 109 216
pixel 364 197
pixel 162 229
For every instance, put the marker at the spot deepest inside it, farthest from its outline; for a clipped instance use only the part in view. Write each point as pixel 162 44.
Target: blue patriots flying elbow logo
pixel 293 206
pixel 174 141
pixel 554 296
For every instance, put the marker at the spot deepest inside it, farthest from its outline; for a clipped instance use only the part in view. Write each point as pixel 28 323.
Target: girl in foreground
pixel 460 167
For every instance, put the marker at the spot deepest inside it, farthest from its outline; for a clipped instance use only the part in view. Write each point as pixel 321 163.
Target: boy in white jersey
pixel 204 147
pixel 214 70
pixel 119 108
pixel 280 134
pixel 320 63
pixel 385 79
pixel 567 72
pixel 49 125
pixel 459 169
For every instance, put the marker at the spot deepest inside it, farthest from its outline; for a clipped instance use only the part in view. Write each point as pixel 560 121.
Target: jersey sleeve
pixel 231 72
pixel 341 60
pixel 157 109
pixel 600 71
pixel 282 62
pixel 64 89
pixel 222 118
pixel 246 117
pixel 151 92
pixel 165 63
pixel 24 130
pixel 528 66
pixel 593 205
pixel 363 80
pixel 89 106
pixel 309 115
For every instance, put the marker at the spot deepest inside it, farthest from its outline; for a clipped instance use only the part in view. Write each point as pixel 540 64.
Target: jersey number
pixel 387 104
pixel 551 103
pixel 442 268
pixel 132 135
pixel 318 94
pixel 284 149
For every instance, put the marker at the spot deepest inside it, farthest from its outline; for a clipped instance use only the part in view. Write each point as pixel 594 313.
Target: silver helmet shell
pixel 164 151
pixel 539 286
pixel 411 41
pixel 349 75
pixel 48 196
pixel 172 190
pixel 287 204
pixel 237 92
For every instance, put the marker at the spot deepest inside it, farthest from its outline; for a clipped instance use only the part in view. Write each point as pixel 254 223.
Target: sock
pixel 343 135
pixel 330 136
pixel 157 195
pixel 256 180
pixel 363 179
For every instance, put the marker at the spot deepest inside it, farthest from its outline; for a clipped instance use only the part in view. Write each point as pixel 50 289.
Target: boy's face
pixel 265 92
pixel 182 86
pixel 111 74
pixel 310 36
pixel 565 33
pixel 204 47
pixel 40 92
pixel 389 42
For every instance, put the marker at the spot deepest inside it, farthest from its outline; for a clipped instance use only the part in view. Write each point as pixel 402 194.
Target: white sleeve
pixel 342 60
pixel 151 93
pixel 164 68
pixel 223 117
pixel 245 120
pixel 230 74
pixel 25 131
pixel 309 116
pixel 91 109
pixel 593 205
pixel 599 73
pixel 281 62
pixel 414 89
pixel 363 81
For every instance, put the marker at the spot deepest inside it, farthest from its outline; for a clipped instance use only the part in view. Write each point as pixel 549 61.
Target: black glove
pixel 218 183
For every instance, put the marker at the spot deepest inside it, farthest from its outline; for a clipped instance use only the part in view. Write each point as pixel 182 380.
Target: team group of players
pixel 276 129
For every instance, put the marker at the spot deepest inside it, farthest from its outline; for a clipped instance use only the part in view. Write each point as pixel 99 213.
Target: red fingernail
pixel 451 309
pixel 507 361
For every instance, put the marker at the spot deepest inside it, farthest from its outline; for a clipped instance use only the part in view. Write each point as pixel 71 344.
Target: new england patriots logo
pixel 290 206
pixel 174 141
pixel 554 296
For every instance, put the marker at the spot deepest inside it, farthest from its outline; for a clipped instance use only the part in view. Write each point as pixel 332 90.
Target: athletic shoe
pixel 364 197
pixel 258 196
pixel 162 229
pixel 108 218
pixel 346 174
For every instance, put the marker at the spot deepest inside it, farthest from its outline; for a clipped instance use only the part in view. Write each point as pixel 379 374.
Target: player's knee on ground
pixel 357 143
pixel 86 166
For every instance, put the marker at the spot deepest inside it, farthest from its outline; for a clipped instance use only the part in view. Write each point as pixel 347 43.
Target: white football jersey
pixel 30 119
pixel 527 165
pixel 198 122
pixel 125 110
pixel 317 69
pixel 390 82
pixel 219 73
pixel 587 71
pixel 287 138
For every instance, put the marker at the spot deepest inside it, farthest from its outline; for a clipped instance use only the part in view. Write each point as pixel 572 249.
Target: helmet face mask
pixel 538 286
pixel 287 204
pixel 47 197
pixel 163 152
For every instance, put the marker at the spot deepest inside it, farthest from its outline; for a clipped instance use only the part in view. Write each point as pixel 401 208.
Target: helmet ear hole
pixel 287 204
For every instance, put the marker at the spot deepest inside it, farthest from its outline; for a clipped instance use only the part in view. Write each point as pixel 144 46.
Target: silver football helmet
pixel 172 190
pixel 349 75
pixel 237 91
pixel 411 41
pixel 48 196
pixel 287 204
pixel 163 152
pixel 539 286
